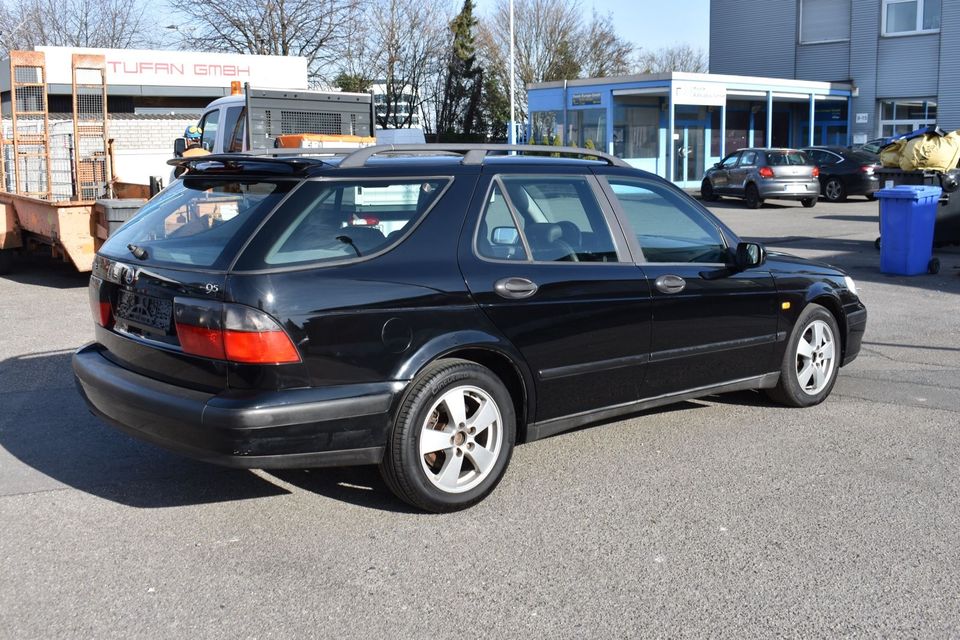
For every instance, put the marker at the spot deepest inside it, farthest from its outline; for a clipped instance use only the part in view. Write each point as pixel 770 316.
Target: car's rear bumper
pixel 856 324
pixel 863 185
pixel 295 428
pixel 789 189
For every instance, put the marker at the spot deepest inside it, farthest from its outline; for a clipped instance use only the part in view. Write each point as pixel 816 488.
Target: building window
pixel 588 128
pixel 910 16
pixel 824 21
pixel 636 130
pixel 899 117
pixel 546 127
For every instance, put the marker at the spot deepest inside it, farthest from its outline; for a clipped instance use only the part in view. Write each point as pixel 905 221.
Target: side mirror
pixel 179 146
pixel 749 255
pixel 716 165
pixel 505 235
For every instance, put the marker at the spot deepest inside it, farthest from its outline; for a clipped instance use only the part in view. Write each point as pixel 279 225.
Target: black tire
pixel 808 203
pixel 752 197
pixel 403 467
pixel 871 197
pixel 7 257
pixel 834 191
pixel 707 194
pixel 876 244
pixel 789 390
pixel 934 266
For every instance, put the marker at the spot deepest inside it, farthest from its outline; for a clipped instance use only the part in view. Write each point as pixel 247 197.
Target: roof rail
pixel 282 154
pixel 473 153
pixel 353 158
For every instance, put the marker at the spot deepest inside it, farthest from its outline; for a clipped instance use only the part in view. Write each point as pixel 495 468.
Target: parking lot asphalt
pixel 727 517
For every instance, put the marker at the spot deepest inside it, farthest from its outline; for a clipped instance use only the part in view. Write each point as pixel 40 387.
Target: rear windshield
pixel 336 221
pixel 198 222
pixel 777 158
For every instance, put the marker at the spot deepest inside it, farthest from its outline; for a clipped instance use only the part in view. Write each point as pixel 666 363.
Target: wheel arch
pixel 829 300
pixel 489 351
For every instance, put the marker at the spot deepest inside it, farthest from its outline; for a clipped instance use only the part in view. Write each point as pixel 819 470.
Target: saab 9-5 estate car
pixel 426 309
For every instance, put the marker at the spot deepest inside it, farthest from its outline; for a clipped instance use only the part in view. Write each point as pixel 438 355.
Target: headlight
pixel 851 285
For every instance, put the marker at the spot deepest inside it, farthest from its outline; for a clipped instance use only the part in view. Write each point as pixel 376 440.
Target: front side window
pixel 667 227
pixel 824 21
pixel 336 221
pixel 731 161
pixel 560 218
pixel 910 16
pixel 209 125
pixel 748 159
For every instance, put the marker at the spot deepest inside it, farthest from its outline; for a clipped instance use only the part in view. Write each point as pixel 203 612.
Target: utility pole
pixel 512 134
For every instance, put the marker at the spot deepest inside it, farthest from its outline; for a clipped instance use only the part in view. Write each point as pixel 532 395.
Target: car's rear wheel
pixel 811 360
pixel 706 191
pixel 834 191
pixel 808 203
pixel 752 197
pixel 452 439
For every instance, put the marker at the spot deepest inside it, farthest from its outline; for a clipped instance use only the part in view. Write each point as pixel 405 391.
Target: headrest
pixel 570 233
pixel 541 234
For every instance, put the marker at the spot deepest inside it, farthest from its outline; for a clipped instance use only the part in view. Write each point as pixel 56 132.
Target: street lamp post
pixel 512 134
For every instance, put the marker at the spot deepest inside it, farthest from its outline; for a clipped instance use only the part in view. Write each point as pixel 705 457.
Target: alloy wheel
pixel 816 357
pixel 461 439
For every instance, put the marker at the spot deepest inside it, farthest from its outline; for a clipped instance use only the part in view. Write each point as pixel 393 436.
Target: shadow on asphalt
pixel 44 271
pixel 867 218
pixel 46 425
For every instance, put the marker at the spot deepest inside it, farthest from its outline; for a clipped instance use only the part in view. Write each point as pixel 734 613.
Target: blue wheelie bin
pixel 907 217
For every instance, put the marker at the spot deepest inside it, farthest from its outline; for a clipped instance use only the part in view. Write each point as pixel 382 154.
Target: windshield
pixel 777 158
pixel 197 222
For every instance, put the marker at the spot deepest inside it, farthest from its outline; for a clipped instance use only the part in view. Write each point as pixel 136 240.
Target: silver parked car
pixel 760 174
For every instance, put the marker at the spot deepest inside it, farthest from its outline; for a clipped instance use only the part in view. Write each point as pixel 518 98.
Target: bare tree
pixel 552 43
pixel 73 23
pixel 313 29
pixel 681 57
pixel 604 52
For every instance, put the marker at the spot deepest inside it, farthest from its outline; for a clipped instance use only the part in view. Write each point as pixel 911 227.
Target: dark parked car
pixel 760 174
pixel 844 172
pixel 427 312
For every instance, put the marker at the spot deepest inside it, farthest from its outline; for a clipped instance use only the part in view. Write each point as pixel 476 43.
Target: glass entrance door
pixel 689 147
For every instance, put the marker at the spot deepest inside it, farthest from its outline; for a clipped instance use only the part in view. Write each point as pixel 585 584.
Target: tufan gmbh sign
pixel 183 68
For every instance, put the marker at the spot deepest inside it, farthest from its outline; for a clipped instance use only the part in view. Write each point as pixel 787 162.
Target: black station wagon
pixel 426 308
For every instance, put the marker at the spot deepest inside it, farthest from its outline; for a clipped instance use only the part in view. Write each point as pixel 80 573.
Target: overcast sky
pixel 652 24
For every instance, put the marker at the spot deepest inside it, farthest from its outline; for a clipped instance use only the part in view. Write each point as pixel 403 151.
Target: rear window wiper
pixel 138 252
pixel 348 240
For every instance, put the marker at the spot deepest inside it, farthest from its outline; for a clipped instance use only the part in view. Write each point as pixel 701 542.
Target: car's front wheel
pixel 811 360
pixel 452 438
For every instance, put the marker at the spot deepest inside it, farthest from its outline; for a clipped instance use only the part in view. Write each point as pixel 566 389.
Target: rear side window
pixel 560 218
pixel 779 158
pixel 337 221
pixel 198 222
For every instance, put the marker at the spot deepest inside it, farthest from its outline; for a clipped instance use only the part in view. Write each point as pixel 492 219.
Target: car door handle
pixel 515 288
pixel 670 283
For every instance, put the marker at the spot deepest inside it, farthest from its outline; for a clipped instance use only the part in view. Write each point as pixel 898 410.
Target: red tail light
pixel 816 172
pixel 100 305
pixel 868 169
pixel 232 332
pixel 766 172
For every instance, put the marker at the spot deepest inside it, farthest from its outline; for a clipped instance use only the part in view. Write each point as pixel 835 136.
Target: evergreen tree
pixel 460 104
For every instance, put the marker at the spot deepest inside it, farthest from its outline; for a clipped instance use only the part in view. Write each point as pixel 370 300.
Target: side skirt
pixel 547 428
